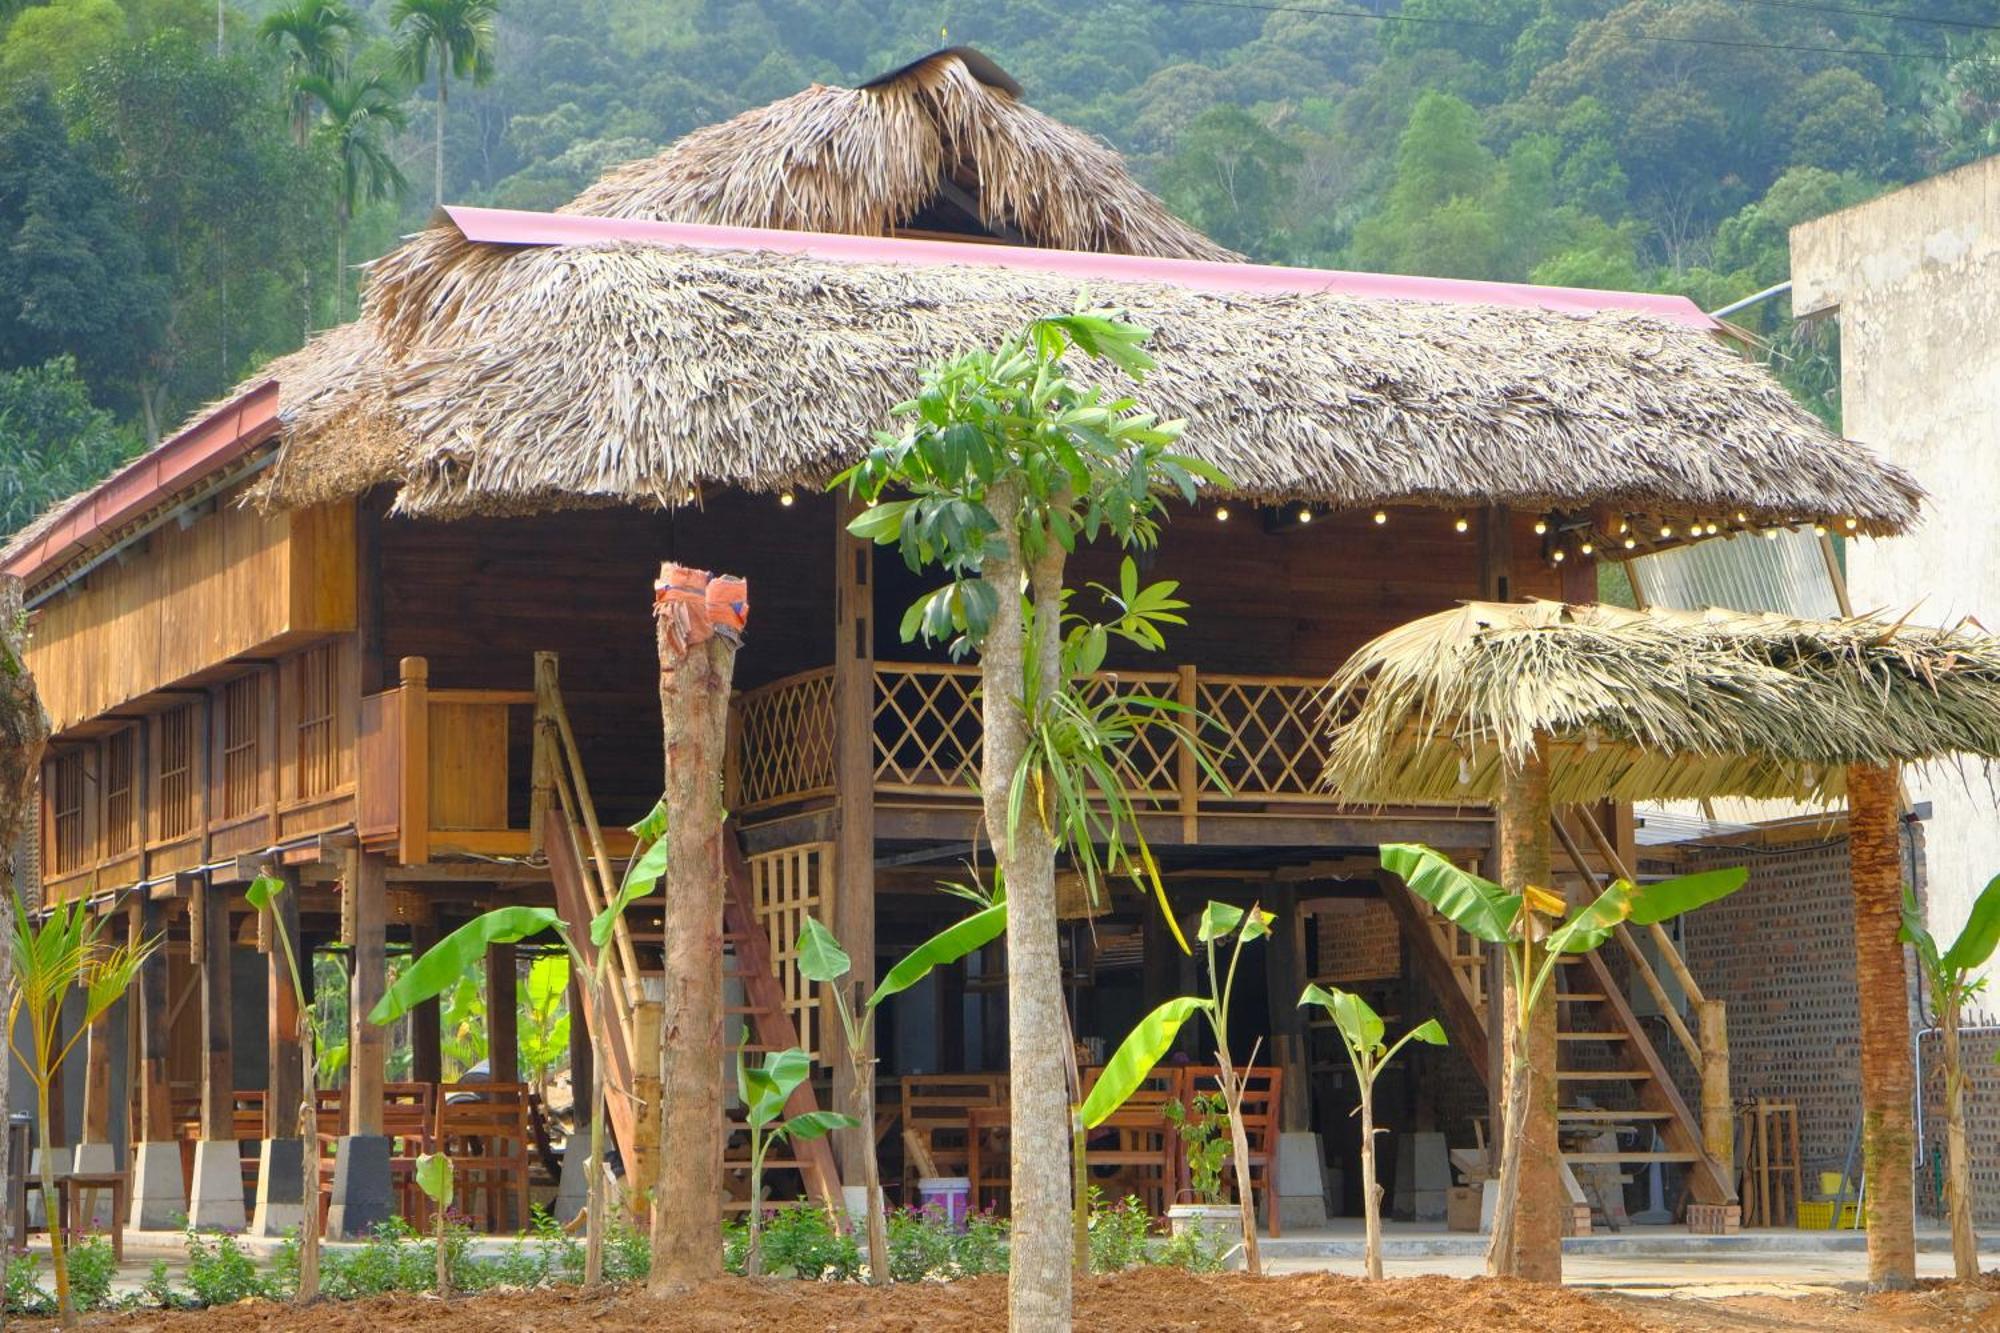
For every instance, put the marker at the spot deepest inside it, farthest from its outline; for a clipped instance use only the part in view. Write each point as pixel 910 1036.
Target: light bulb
pixel 1666 529
pixel 1558 555
pixel 1819 529
pixel 785 499
pixel 1631 542
pixel 1541 527
pixel 1770 534
pixel 1462 525
pixel 1305 515
pixel 1381 517
pixel 1222 513
pixel 1587 548
pixel 1622 527
pixel 1851 523
pixel 1740 518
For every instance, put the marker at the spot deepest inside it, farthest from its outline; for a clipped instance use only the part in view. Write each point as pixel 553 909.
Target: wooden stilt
pixel 853 889
pixel 426 1028
pixel 285 1075
pixel 368 1045
pixel 218 1101
pixel 503 1015
pixel 156 1115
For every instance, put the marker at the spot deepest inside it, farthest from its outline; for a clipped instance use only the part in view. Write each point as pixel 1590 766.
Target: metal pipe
pixel 1749 301
pixel 1917 1058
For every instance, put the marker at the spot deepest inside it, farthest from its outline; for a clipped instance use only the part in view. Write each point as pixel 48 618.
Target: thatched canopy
pixel 1653 705
pixel 510 377
pixel 866 160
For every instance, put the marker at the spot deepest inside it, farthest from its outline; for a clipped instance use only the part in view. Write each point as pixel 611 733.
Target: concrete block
pixel 1301 1181
pixel 217 1203
pixel 158 1203
pixel 573 1186
pixel 281 1188
pixel 362 1198
pixel 59 1164
pixel 97 1159
pixel 1423 1175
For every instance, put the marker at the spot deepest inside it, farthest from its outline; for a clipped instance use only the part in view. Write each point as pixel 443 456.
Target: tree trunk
pixel 1532 1210
pixel 1888 1084
pixel 1371 1193
pixel 437 156
pixel 698 631
pixel 58 1256
pixel 594 1201
pixel 871 1170
pixel 1039 1278
pixel 340 267
pixel 1239 1149
pixel 309 1164
pixel 1957 1159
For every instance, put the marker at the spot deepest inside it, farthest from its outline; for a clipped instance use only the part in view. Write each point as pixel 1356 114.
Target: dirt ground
pixel 1163 1299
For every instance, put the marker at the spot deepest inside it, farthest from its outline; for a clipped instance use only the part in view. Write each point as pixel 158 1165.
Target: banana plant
pixel 1361 1032
pixel 1148 1043
pixel 1951 973
pixel 822 960
pixel 1533 929
pixel 463 950
pixel 765 1088
pixel 64 952
pixel 435 1178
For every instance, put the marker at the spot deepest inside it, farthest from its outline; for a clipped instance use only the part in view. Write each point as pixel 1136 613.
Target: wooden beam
pixel 1445 832
pixel 853 861
pixel 218 1101
pixel 503 1015
pixel 368 1045
pixel 426 1025
pixel 156 1116
pixel 414 803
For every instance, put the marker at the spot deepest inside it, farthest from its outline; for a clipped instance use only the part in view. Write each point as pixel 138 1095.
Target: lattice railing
pixel 1260 733
pixel 786 886
pixel 782 742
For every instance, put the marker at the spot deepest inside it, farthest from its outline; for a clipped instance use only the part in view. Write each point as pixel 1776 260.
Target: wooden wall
pixel 479 597
pixel 234 582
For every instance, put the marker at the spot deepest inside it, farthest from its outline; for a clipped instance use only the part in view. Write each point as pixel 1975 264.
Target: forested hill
pixel 171 217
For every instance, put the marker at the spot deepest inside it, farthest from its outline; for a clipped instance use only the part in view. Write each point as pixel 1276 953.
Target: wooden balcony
pixel 1261 733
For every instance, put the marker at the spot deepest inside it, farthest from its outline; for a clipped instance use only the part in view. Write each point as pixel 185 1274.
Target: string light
pixel 1740 517
pixel 1819 529
pixel 785 498
pixel 1587 548
pixel 1666 529
pixel 1222 513
pixel 1305 514
pixel 1852 523
pixel 1714 528
pixel 1462 525
pixel 1623 526
pixel 1541 527
pixel 1631 542
pixel 1381 517
pixel 1770 534
pixel 1558 555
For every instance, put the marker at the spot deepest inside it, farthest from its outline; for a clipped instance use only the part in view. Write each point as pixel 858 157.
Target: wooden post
pixel 414 807
pixel 368 1045
pixel 853 860
pixel 1187 693
pixel 426 1026
pixel 97 1082
pixel 1888 1082
pixel 210 903
pixel 156 1113
pixel 285 1076
pixel 503 1015
pixel 546 758
pixel 1528 1229
pixel 699 621
pixel 1718 1113
pixel 1284 980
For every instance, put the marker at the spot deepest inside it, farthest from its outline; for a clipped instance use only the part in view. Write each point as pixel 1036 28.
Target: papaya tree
pixel 1953 979
pixel 1148 1043
pixel 1005 464
pixel 65 951
pixel 460 952
pixel 765 1089
pixel 1533 929
pixel 1361 1032
pixel 822 960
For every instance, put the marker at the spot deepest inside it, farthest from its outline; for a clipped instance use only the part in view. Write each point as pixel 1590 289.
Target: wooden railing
pixel 1259 731
pixel 436 768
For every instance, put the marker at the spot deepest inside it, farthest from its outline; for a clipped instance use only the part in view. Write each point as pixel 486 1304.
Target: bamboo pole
pixel 1675 963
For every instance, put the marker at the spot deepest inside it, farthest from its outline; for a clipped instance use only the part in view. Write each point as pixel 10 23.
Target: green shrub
pixel 91 1268
pixel 801 1240
pixel 25 1293
pixel 219 1273
pixel 392 1260
pixel 628 1252
pixel 1192 1250
pixel 1117 1233
pixel 158 1288
pixel 921 1244
pixel 982 1248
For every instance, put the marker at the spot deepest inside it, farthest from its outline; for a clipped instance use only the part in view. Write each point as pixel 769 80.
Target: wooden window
pixel 66 809
pixel 242 719
pixel 121 807
pixel 178 795
pixel 318 703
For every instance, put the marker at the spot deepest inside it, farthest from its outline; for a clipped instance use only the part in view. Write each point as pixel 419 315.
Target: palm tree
pixel 358 109
pixel 454 37
pixel 314 36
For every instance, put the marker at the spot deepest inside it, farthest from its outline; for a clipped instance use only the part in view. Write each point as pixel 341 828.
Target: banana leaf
pixel 821 958
pixel 947 946
pixel 1136 1055
pixel 1975 944
pixel 1360 1026
pixel 458 954
pixel 1479 907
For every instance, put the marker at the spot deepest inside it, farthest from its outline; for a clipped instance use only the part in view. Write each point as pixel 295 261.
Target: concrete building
pixel 1914 279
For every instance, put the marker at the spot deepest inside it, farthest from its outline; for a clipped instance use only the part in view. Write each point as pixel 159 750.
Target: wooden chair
pixel 409 1117
pixel 483 1129
pixel 1136 1148
pixel 1263 1086
pixel 934 1107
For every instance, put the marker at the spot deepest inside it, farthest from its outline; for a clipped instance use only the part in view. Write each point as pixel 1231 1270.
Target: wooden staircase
pixel 584 883
pixel 1609 1072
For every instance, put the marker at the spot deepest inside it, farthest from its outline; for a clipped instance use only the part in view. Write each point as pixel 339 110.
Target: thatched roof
pixel 509 377
pixel 866 160
pixel 1653 705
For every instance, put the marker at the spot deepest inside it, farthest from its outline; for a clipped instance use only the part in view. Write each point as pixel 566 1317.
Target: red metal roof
pixel 506 226
pixel 218 439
